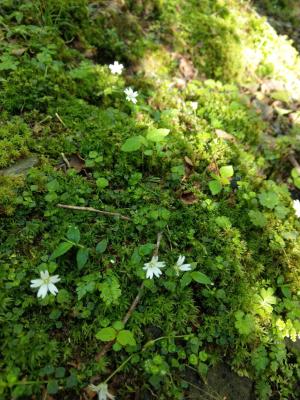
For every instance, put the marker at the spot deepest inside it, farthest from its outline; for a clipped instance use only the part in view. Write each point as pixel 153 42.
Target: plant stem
pixel 80 208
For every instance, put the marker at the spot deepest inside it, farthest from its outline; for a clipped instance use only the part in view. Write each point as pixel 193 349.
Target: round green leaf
pixel 125 338
pixel 101 246
pixel 106 334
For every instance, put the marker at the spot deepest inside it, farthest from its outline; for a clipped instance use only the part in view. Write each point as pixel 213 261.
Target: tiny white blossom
pixel 102 391
pixel 131 95
pixel 153 268
pixel 194 105
pixel 45 284
pixel 296 205
pixel 116 68
pixel 179 266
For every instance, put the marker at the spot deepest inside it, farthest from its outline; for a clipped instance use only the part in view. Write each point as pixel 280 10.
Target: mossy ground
pixel 58 97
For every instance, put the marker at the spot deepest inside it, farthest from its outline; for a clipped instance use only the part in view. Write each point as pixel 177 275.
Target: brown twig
pixel 133 304
pixel 91 209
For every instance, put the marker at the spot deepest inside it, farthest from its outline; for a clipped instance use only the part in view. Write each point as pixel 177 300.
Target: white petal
pixel 160 264
pixel 54 279
pixel 180 260
pixel 36 283
pixel 149 274
pixel 52 288
pixel 185 267
pixel 157 272
pixel 42 291
pixel 44 275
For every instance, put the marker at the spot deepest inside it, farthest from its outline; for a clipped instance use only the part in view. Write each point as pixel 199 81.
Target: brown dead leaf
pixel 188 198
pixel 18 52
pixel 187 68
pixel 76 162
pixel 188 161
pixel 224 135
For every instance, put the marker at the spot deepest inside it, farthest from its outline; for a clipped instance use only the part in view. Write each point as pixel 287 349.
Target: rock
pixel 20 167
pixel 222 383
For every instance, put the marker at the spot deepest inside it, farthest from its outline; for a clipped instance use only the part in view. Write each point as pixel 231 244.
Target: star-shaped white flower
pixel 296 205
pixel 131 95
pixel 102 391
pixel 179 266
pixel 153 268
pixel 45 284
pixel 116 68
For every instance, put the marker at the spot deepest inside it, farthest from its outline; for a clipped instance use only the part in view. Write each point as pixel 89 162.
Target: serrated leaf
pixel 133 143
pixel 52 387
pixel 61 249
pixel 157 135
pixel 73 234
pixel 82 257
pixel 106 334
pixel 257 218
pixel 125 338
pixel 101 246
pixel 268 199
pixel 199 277
pixel 215 187
pixel 102 183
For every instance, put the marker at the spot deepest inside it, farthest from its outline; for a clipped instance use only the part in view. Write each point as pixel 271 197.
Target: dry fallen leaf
pixel 224 135
pixel 188 198
pixel 187 68
pixel 188 161
pixel 76 162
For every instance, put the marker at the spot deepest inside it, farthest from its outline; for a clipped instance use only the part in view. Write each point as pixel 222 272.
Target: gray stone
pixel 20 167
pixel 222 383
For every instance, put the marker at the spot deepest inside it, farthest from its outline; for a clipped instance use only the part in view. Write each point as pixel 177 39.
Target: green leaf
pixel 281 211
pixel 268 199
pixel 257 218
pixel 61 249
pixel 223 222
pixel 52 387
pixel 215 187
pixel 266 299
pixel 110 290
pixel 106 334
pixel 82 257
pixel 157 135
pixel 245 323
pixel 133 143
pixel 226 171
pixel 185 280
pixel 60 372
pixel 118 325
pixel 101 246
pixel 102 183
pixel 125 338
pixel 199 277
pixel 73 234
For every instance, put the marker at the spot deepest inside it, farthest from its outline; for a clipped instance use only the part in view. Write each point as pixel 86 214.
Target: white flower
pixel 45 284
pixel 153 267
pixel 194 105
pixel 179 266
pixel 116 68
pixel 296 205
pixel 131 95
pixel 102 391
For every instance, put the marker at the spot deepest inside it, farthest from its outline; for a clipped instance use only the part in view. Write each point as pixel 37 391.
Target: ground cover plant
pixel 149 199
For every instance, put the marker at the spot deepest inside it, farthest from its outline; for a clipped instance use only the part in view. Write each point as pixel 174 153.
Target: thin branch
pixel 91 209
pixel 60 120
pixel 294 162
pixel 133 304
pixel 65 160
